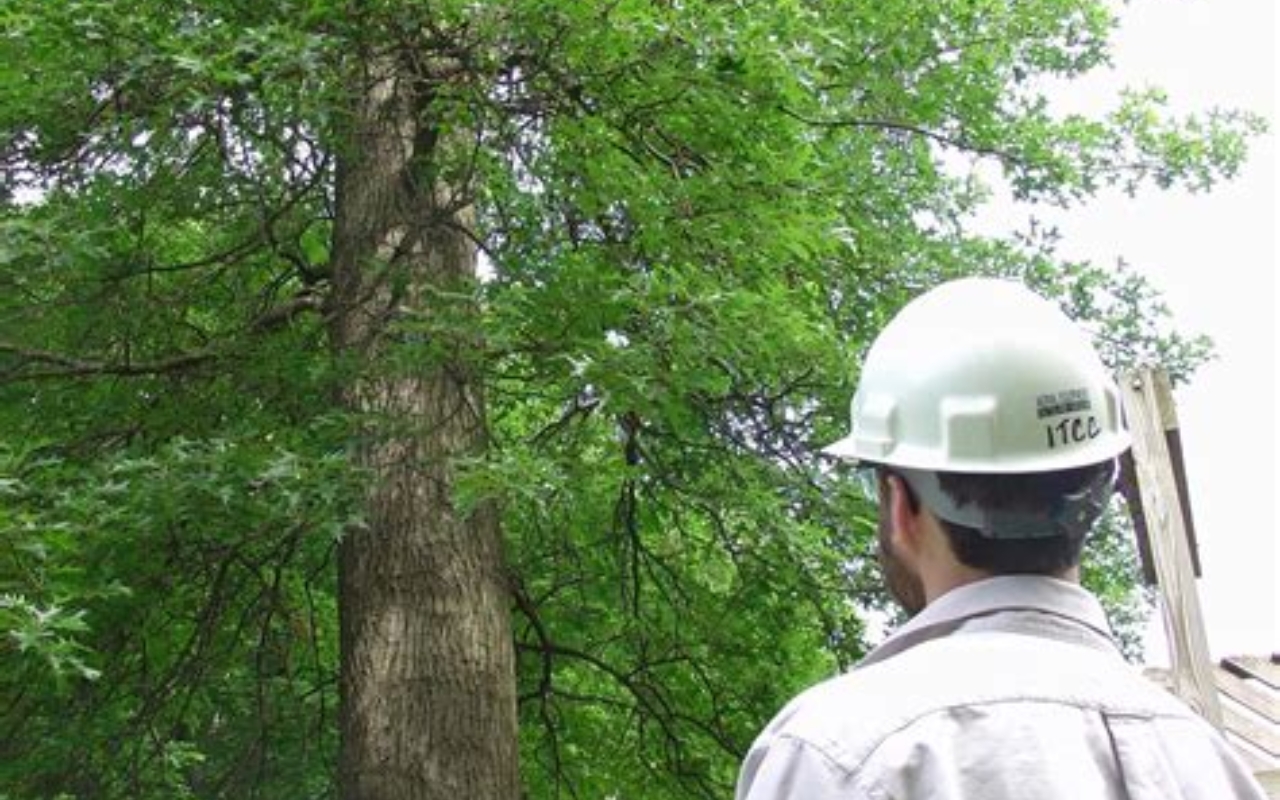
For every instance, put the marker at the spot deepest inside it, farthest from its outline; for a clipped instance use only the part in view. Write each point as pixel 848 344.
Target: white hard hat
pixel 982 375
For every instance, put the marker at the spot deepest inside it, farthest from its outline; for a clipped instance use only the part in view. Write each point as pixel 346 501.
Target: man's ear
pixel 904 518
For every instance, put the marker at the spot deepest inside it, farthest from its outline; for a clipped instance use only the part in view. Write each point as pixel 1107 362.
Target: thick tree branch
pixel 906 127
pixel 36 364
pixel 63 366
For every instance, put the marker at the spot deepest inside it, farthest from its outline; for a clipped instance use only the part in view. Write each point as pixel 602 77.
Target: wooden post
pixel 1148 402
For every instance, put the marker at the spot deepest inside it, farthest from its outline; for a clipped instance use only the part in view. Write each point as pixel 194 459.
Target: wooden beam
pixel 1148 405
pixel 1173 440
pixel 1127 485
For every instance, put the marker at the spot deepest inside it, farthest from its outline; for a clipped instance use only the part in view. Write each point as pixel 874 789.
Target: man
pixel 988 431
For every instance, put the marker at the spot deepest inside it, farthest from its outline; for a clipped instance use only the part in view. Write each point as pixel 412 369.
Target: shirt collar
pixel 947 613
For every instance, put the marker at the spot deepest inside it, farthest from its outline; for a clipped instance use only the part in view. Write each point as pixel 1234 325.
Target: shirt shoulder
pixel 992 715
pixel 952 681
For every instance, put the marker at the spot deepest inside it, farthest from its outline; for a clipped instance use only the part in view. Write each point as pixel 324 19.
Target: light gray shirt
pixel 1006 689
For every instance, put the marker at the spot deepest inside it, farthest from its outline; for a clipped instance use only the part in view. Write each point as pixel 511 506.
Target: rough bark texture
pixel 427 673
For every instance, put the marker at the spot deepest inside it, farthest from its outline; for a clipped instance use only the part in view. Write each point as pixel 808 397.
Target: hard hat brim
pixel 845 449
pixel 854 451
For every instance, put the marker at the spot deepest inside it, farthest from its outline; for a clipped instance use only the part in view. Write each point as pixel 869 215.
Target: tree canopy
pixel 691 219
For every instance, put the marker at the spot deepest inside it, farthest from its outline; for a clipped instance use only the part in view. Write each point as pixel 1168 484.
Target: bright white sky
pixel 1214 257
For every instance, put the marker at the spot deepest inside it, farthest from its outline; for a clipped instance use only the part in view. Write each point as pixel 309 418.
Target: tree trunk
pixel 427 667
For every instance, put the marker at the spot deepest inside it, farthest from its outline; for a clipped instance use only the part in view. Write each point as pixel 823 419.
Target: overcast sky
pixel 1214 257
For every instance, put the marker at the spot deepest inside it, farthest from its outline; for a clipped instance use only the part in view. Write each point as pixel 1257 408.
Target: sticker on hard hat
pixel 1059 403
pixel 1073 431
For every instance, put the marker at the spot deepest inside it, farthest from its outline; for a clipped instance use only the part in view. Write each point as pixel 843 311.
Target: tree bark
pixel 427 667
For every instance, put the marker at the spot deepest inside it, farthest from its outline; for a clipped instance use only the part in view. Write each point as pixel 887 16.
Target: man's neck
pixel 955 575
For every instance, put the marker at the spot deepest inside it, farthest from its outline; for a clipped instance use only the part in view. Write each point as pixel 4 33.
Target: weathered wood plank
pixel 1248 693
pixel 1254 761
pixel 1148 405
pixel 1262 669
pixel 1264 737
pixel 1270 780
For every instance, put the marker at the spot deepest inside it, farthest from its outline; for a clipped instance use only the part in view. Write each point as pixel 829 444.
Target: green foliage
pixel 183 599
pixel 1110 569
pixel 695 216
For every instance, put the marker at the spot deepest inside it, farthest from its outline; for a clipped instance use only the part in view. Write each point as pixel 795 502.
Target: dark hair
pixel 1028 492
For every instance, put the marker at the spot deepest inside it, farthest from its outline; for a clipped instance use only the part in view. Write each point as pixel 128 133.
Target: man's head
pixel 992 428
pixel 923 555
pixel 1038 493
